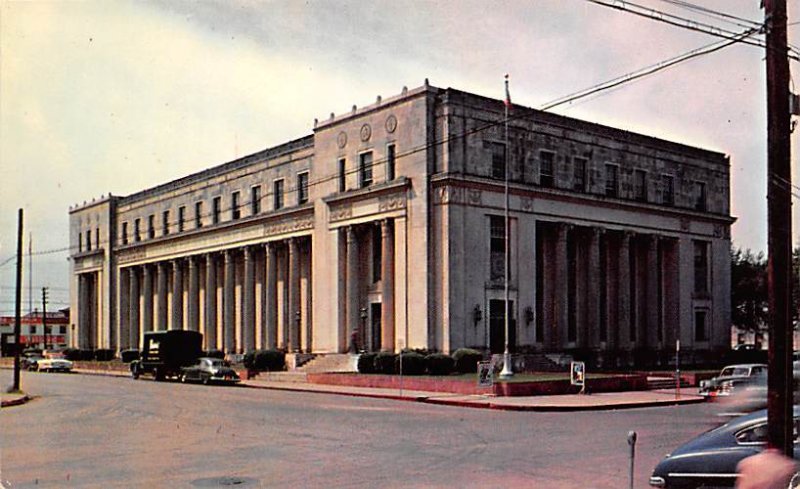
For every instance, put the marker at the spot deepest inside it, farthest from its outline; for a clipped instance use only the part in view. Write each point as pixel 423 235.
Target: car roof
pixel 745 365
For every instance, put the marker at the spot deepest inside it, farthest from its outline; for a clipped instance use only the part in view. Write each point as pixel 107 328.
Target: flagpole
pixel 508 370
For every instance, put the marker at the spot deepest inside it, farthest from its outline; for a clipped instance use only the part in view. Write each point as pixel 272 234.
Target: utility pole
pixel 44 315
pixel 18 303
pixel 779 229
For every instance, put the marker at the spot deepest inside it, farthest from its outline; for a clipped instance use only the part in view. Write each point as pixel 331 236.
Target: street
pixel 94 431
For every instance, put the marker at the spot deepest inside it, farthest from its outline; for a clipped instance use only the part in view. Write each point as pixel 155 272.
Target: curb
pixel 16 402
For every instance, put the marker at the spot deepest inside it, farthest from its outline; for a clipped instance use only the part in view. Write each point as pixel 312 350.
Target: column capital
pixel 597 231
pixel 192 261
pixel 351 234
pixel 248 253
pixel 228 256
pixel 385 227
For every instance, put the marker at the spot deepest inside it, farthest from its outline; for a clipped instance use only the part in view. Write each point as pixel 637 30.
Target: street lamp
pixel 363 326
pixel 297 323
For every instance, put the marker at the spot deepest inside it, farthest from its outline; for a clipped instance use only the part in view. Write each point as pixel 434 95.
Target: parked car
pixel 31 362
pixel 208 370
pixel 731 377
pixel 165 353
pixel 54 365
pixel 710 459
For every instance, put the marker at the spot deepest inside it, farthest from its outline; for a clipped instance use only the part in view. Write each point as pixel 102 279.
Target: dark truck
pixel 165 353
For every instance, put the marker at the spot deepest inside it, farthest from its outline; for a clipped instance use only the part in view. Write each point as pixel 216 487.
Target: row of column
pixel 88 311
pixel 142 309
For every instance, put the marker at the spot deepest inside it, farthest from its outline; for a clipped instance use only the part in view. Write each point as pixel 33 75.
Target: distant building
pixel 384 229
pixel 32 330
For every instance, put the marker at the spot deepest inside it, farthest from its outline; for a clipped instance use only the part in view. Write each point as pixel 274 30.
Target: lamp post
pixel 507 371
pixel 363 334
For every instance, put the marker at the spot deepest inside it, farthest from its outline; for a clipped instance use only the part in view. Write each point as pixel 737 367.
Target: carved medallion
pixel 366 132
pixel 527 204
pixel 391 124
pixel 341 140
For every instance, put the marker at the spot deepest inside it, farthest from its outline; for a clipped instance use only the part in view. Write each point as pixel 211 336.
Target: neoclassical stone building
pixel 385 228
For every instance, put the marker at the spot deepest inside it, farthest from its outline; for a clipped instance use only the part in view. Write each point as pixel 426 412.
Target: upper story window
pixel 89 240
pixel 365 169
pixel 236 212
pixel 700 266
pixel 198 214
pixel 498 160
pixel 342 175
pixel 151 226
pixel 302 188
pixel 612 180
pixel 668 190
pixel 216 209
pixel 390 161
pixel 277 194
pixel 124 233
pixel 579 174
pixel 546 173
pixel 80 242
pixel 165 223
pixel 497 248
pixel 181 218
pixel 255 200
pixel 377 254
pixel 700 196
pixel 640 185
pixel 97 238
pixel 137 229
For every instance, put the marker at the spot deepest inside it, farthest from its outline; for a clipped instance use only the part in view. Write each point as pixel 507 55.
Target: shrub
pixel 466 360
pixel 85 354
pixel 103 355
pixel 269 360
pixel 439 364
pixel 214 354
pixel 127 356
pixel 71 354
pixel 385 363
pixel 413 363
pixel 366 363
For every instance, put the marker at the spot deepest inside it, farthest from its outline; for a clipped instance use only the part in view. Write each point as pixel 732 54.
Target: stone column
pixel 161 303
pixel 653 307
pixel 228 305
pixel 352 288
pixel 133 311
pixel 624 310
pixel 177 295
pixel 562 288
pixel 83 311
pixel 194 299
pixel 123 309
pixel 592 317
pixel 248 303
pixel 270 323
pixel 293 315
pixel 211 303
pixel 387 286
pixel 147 298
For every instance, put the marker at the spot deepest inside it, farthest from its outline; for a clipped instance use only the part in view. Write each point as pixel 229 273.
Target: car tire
pixel 206 380
pixel 794 482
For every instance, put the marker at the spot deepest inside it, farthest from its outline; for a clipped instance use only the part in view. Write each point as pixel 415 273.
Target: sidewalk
pixel 573 402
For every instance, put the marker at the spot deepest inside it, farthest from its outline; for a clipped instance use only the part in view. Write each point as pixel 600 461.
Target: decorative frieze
pixel 340 213
pixel 392 202
pixel 128 256
pixel 288 226
pixel 84 263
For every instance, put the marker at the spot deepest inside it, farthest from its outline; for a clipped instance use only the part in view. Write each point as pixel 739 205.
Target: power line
pixel 724 16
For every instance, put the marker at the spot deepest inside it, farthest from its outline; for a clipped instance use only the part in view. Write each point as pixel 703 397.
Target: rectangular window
pixel 137 229
pixel 365 169
pixel 700 267
pixel 546 176
pixel 181 218
pixel 390 161
pixel 497 247
pixel 700 196
pixel 165 223
pixel 34 329
pixel 277 194
pixel 80 242
pixel 579 174
pixel 498 160
pixel 89 240
pixel 124 233
pixel 151 226
pixel 97 238
pixel 236 212
pixel 62 330
pixel 302 188
pixel 700 330
pixel 198 214
pixel 377 254
pixel 255 200
pixel 342 175
pixel 668 191
pixel 216 209
pixel 612 180
pixel 640 185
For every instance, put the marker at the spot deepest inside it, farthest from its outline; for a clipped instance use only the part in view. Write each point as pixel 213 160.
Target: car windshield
pixel 217 363
pixel 734 371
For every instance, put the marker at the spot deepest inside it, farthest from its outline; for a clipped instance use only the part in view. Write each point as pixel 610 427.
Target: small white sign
pixel 485 374
pixel 577 373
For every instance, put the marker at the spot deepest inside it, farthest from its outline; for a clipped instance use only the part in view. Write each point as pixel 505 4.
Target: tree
pixel 749 299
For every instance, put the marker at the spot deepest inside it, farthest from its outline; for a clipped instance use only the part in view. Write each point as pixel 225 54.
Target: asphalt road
pixel 92 431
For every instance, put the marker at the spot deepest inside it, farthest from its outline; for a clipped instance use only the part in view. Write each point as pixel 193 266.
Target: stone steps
pixel 330 362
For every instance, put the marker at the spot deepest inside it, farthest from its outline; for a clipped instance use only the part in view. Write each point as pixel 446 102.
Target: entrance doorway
pixel 497 335
pixel 375 326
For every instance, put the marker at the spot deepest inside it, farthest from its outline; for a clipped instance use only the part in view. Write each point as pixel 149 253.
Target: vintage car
pixel 54 365
pixel 710 459
pixel 733 377
pixel 208 370
pixel 31 362
pixel 165 353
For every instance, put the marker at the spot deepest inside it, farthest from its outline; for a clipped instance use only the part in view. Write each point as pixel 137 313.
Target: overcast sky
pixel 108 96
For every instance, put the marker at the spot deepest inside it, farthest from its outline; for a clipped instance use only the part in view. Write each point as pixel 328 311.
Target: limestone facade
pixel 384 230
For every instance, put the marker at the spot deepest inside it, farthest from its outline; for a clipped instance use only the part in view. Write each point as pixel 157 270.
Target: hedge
pixel 366 363
pixel 103 355
pixel 466 360
pixel 214 354
pixel 127 356
pixel 413 363
pixel 385 363
pixel 439 364
pixel 269 360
